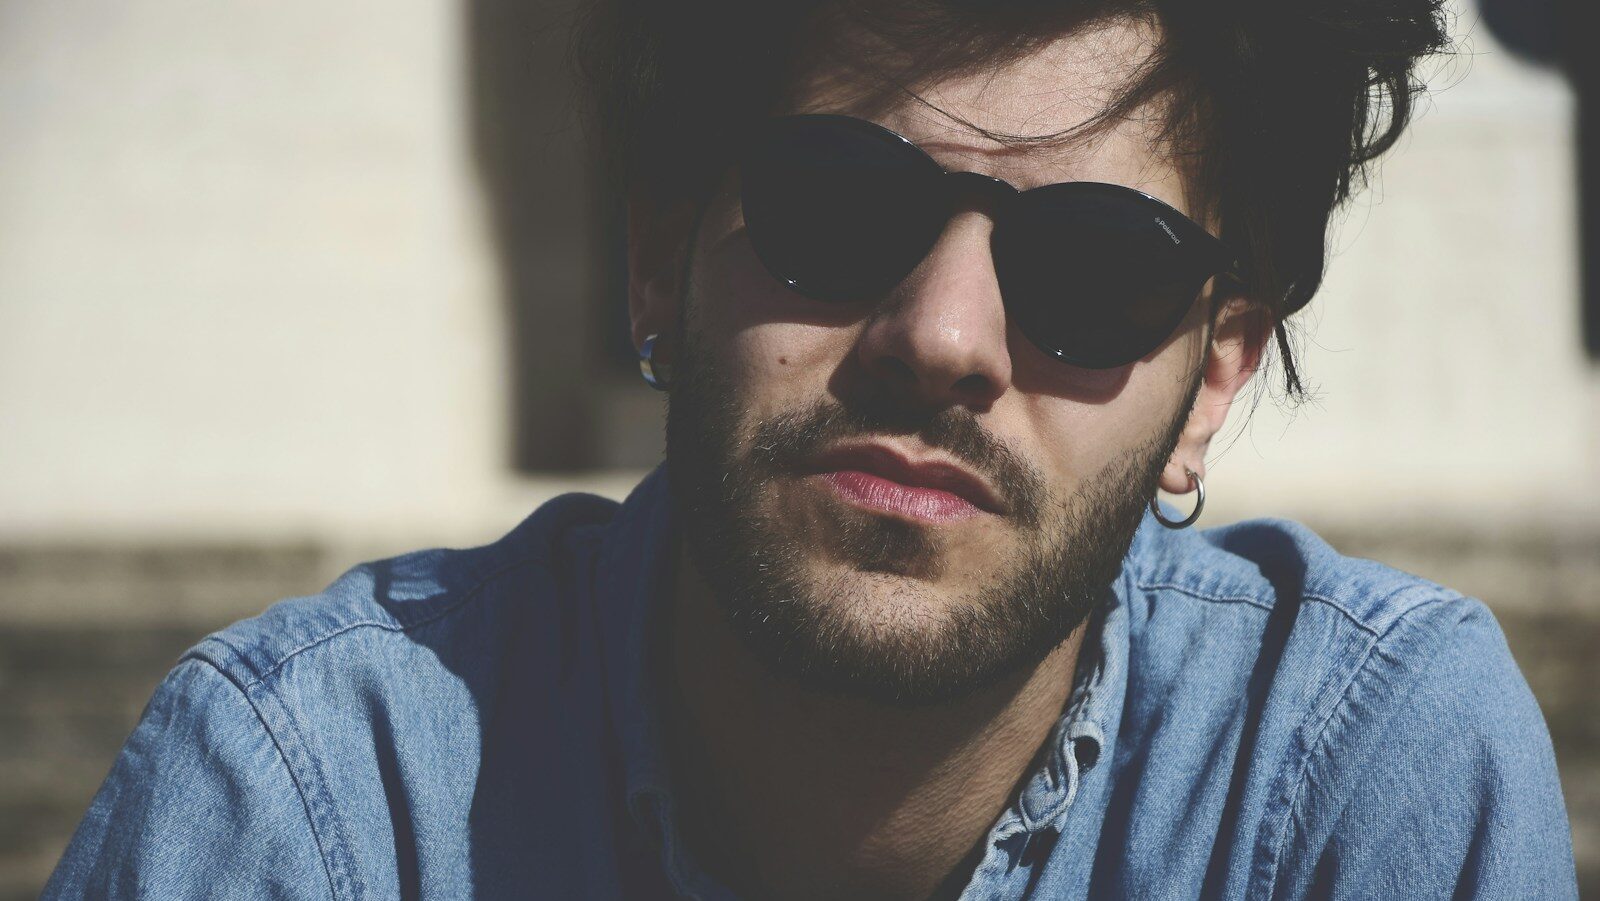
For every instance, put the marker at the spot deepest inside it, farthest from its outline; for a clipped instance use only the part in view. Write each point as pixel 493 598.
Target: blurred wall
pixel 1446 347
pixel 248 283
pixel 244 281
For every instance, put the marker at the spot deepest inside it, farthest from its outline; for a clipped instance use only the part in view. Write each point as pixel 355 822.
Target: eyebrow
pixel 1007 161
pixel 932 146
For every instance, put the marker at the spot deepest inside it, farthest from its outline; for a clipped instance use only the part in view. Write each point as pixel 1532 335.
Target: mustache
pixel 785 442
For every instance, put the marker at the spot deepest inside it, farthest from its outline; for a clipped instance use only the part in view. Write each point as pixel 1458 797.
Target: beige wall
pixel 1446 348
pixel 245 289
pixel 243 280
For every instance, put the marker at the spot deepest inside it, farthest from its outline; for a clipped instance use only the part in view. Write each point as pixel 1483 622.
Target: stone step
pixel 72 685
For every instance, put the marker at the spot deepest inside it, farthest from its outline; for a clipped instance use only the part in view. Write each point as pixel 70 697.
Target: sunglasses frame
pixel 997 194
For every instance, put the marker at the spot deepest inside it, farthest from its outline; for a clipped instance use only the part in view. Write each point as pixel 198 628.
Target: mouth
pixel 881 479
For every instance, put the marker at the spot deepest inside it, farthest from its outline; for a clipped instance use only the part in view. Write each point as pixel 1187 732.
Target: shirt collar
pixel 632 584
pixel 1076 743
pixel 1087 730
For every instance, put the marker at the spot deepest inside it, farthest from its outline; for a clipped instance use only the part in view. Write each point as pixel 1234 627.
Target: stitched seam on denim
pixel 389 626
pixel 1440 596
pixel 1235 599
pixel 316 835
pixel 319 803
pixel 1077 708
pixel 1354 620
pixel 1203 596
pixel 1296 795
pixel 1277 834
pixel 1291 801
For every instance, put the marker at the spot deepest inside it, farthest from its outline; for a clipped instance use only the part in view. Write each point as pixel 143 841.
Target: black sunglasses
pixel 1096 275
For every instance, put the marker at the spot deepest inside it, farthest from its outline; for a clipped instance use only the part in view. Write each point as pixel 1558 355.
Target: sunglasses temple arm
pixel 1234 273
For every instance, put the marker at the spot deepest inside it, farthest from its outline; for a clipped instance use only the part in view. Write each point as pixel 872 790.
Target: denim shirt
pixel 1253 716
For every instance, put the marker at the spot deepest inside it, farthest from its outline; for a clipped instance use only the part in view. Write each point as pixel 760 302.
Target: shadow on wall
pixel 557 231
pixel 1547 32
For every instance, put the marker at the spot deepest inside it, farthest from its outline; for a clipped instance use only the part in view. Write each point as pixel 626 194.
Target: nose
pixel 940 338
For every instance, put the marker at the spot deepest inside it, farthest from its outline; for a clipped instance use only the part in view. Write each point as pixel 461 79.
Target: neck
pixel 787 793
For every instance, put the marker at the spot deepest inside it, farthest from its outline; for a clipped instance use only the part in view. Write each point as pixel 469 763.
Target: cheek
pixel 1079 440
pixel 780 348
pixel 783 365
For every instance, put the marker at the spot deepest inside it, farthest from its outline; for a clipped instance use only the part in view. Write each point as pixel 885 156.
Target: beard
pixel 875 631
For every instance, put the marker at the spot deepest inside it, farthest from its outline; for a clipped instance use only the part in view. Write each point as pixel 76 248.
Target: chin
pixel 886 598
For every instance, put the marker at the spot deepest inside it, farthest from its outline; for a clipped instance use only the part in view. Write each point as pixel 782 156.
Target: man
pixel 940 294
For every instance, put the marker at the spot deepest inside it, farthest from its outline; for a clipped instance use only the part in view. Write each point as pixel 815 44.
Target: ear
pixel 658 243
pixel 1237 342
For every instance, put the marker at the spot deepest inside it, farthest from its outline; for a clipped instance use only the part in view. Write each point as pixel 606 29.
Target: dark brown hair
pixel 1278 106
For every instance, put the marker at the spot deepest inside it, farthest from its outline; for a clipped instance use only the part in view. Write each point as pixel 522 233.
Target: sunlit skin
pixel 869 801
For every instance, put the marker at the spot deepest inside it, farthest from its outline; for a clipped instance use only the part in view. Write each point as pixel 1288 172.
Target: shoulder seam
pixel 466 597
pixel 1375 649
pixel 1204 596
pixel 1440 595
pixel 277 745
pixel 1253 602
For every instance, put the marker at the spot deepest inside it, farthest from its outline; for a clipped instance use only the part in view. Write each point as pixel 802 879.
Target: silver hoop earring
pixel 1199 504
pixel 656 374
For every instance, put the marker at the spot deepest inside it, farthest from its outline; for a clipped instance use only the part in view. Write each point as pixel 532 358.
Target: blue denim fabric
pixel 1253 716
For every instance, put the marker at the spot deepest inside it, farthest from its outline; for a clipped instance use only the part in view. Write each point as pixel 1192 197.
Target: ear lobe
pixel 658 241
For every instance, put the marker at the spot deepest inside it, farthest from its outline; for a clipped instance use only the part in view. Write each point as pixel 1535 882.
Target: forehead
pixel 1054 89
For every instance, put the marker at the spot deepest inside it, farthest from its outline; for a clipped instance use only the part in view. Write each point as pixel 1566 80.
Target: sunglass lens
pixel 837 208
pixel 1094 274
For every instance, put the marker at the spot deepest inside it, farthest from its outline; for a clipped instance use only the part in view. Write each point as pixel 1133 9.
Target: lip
pixel 886 463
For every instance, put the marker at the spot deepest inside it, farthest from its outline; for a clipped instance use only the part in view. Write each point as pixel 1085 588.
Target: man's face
pixel 906 499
